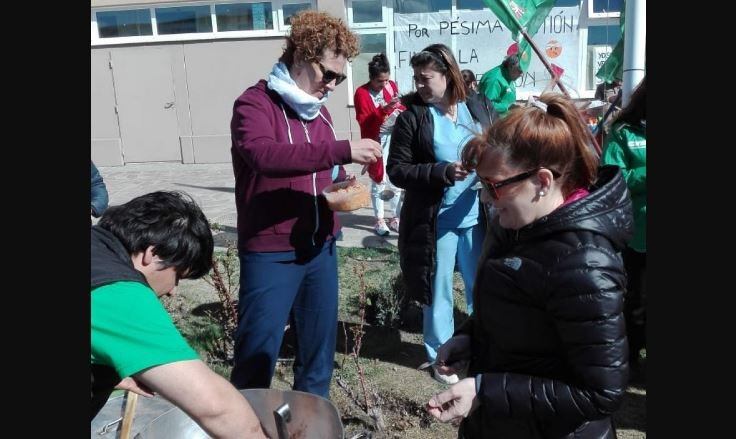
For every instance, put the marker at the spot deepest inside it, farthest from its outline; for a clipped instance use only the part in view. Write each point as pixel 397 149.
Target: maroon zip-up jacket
pixel 278 182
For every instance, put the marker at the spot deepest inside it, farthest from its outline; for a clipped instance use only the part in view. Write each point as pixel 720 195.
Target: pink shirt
pixel 576 195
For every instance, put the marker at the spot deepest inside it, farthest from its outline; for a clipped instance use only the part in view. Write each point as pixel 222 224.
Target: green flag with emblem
pixel 518 14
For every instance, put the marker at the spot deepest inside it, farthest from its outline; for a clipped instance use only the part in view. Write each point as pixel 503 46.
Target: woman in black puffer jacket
pixel 547 343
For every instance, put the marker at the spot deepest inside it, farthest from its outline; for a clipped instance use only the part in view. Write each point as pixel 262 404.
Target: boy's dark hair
pixel 636 110
pixel 172 223
pixel 468 76
pixel 510 61
pixel 378 65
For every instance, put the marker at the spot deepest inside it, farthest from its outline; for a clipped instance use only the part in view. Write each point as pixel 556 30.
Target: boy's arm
pixel 206 397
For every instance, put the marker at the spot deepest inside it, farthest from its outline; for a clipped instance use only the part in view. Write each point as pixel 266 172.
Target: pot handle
pixel 131 399
pixel 282 415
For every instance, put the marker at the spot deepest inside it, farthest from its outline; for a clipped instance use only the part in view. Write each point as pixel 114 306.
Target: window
pixel 370 19
pixel 606 5
pixel 198 20
pixel 133 23
pixel 608 35
pixel 417 6
pixel 183 20
pixel 293 8
pixel 370 45
pixel 471 4
pixel 604 8
pixel 244 16
pixel 367 11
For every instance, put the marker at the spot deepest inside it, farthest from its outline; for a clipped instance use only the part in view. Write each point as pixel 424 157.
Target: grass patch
pixel 389 355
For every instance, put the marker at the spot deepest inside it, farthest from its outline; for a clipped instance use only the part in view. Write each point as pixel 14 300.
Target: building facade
pixel 165 74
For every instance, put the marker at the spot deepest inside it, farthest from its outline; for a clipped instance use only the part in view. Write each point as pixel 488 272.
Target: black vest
pixel 110 262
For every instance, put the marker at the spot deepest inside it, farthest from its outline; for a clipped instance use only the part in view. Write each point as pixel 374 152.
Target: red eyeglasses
pixel 492 188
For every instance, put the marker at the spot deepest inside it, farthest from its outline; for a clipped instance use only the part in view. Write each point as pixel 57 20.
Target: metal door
pixel 144 89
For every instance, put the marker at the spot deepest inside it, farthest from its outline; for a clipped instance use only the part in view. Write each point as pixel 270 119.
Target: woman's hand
pixel 455 403
pixel 453 355
pixel 459 172
pixel 351 180
pixel 364 151
pixel 392 103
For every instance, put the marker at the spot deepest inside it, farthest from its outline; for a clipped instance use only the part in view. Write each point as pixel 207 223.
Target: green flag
pixel 613 68
pixel 518 14
pixel 525 54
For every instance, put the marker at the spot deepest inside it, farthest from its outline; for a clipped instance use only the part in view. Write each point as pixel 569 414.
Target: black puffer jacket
pixel 412 166
pixel 548 330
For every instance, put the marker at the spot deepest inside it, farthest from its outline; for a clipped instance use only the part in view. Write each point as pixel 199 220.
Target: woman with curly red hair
pixel 285 152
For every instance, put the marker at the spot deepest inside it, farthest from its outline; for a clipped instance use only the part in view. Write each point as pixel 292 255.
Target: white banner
pixel 480 42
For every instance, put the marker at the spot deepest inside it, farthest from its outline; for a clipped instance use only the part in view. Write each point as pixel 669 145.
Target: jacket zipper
pixel 314 189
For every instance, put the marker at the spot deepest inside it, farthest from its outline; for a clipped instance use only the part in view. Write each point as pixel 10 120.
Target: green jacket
pixel 495 84
pixel 626 147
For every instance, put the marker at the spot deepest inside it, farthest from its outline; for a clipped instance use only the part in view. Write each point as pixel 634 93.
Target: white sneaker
pixel 381 228
pixel 444 379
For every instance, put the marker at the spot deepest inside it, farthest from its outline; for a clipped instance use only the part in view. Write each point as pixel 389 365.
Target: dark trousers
pixel 635 302
pixel 270 293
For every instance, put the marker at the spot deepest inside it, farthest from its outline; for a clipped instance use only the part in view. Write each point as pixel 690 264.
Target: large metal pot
pixel 311 416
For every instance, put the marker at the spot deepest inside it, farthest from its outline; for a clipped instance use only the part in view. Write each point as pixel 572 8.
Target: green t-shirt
pixel 498 89
pixel 626 147
pixel 131 330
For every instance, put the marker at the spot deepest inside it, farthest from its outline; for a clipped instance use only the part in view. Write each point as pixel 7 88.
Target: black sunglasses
pixel 329 75
pixel 492 188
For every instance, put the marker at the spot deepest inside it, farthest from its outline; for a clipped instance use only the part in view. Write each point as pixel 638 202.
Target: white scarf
pixel 305 105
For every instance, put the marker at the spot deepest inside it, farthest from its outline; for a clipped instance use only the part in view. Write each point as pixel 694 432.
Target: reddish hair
pixel 529 137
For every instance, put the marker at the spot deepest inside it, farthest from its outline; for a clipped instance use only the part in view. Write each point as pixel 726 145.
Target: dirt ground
pixel 389 358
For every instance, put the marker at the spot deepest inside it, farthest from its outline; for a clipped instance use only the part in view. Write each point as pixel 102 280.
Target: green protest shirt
pixel 131 330
pixel 499 90
pixel 626 147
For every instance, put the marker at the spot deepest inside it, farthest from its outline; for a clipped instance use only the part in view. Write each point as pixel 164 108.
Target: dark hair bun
pixel 379 64
pixel 379 60
pixel 380 57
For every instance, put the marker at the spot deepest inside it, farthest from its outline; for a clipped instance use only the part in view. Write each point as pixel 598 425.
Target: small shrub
pixel 223 278
pixel 386 301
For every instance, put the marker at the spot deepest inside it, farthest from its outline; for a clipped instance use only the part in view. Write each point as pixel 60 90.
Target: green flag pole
pixel 563 89
pixel 535 48
pixel 545 62
pixel 591 137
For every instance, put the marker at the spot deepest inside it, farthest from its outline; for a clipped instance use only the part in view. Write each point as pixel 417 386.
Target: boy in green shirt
pixel 139 251
pixel 498 84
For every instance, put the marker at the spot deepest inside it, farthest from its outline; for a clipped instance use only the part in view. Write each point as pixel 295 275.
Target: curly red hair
pixel 312 32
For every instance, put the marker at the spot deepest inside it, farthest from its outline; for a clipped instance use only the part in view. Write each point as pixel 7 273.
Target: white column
pixel 635 41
